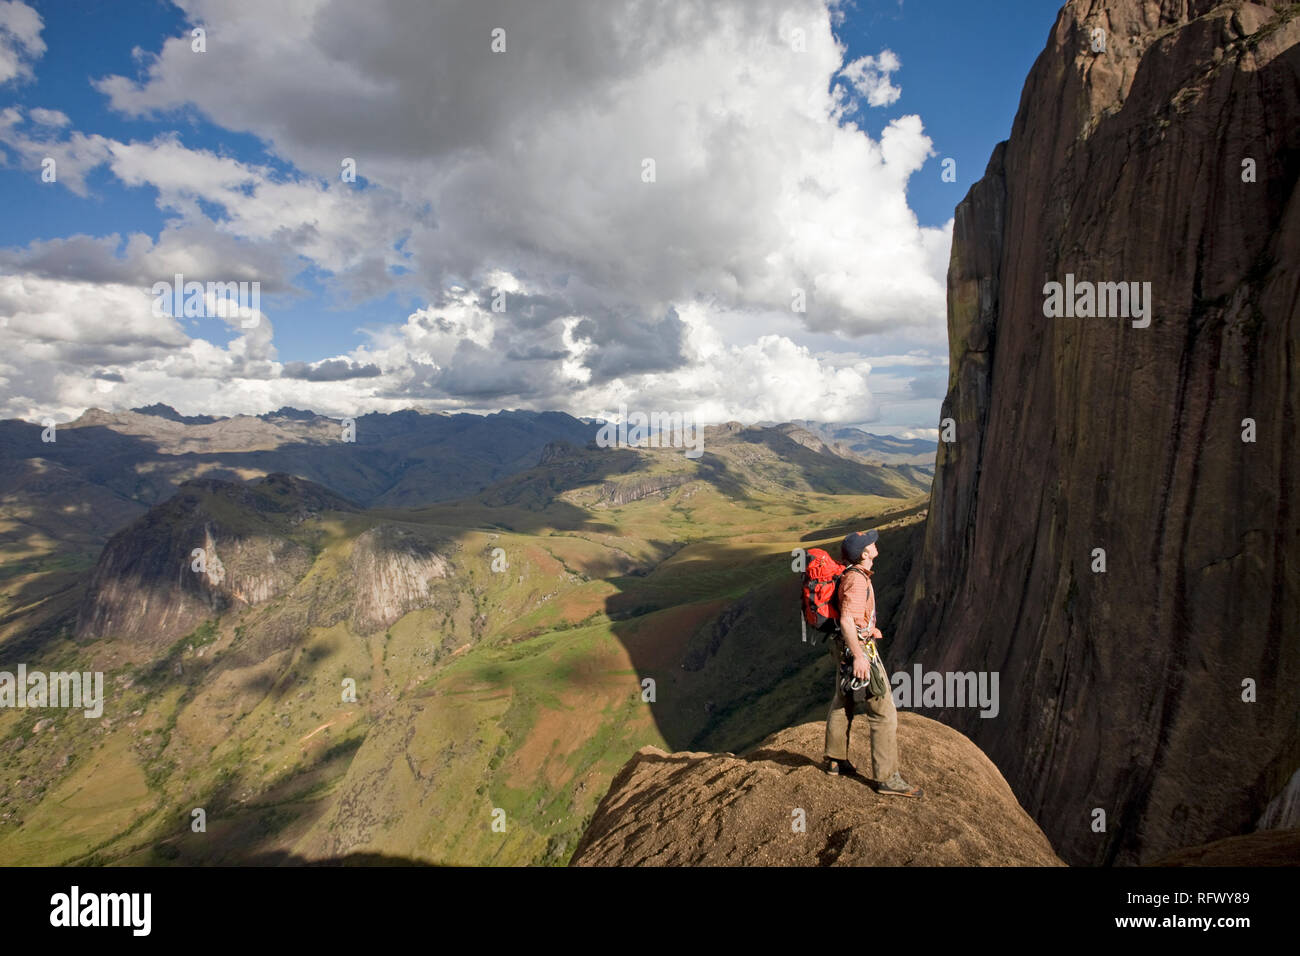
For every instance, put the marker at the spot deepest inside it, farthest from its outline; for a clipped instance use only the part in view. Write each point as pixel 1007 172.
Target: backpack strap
pixel 844 575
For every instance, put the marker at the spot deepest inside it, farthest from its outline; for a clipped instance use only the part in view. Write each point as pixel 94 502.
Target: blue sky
pixel 960 71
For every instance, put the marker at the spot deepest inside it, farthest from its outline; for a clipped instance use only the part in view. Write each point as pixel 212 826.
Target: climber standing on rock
pixel 855 641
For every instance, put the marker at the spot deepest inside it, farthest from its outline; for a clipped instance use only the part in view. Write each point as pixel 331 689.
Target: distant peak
pixel 159 410
pixel 288 411
pixel 95 416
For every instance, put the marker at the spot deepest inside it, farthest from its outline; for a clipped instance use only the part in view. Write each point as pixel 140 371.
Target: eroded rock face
pixel 615 493
pixel 392 568
pixel 1123 690
pixel 149 586
pixel 777 807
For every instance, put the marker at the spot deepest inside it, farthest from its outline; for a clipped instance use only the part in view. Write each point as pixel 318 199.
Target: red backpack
pixel 821 578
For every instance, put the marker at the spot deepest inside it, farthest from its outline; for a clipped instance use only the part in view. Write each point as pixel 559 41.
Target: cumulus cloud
pixel 758 187
pixel 74 154
pixel 54 314
pixel 870 78
pixel 20 40
pixel 771 379
pixel 49 117
pixel 330 370
pixel 201 252
pixel 509 195
pixel 916 357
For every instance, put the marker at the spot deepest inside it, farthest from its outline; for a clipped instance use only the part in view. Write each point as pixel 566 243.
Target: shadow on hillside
pixel 846 477
pixel 47 607
pixel 393 460
pixel 238 834
pixel 739 669
pixel 530 502
pixel 840 530
pixel 285 858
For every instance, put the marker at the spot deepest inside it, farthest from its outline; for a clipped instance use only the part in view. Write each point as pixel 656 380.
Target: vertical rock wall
pixel 1123 690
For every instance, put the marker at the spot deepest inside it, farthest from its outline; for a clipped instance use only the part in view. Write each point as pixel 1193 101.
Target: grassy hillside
pixel 511 693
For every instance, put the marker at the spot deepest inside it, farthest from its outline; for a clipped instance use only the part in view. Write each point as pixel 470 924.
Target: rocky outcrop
pixel 558 451
pixel 212 546
pixel 1155 143
pixel 392 568
pixel 776 807
pixel 615 493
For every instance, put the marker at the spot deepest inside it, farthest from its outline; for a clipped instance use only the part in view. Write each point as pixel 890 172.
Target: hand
pixel 861 666
pixel 875 632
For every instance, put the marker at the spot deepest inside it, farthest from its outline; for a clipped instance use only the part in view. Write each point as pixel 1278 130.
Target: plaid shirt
pixel 858 600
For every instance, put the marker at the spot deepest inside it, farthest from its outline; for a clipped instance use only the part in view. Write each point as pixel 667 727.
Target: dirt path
pixel 302 740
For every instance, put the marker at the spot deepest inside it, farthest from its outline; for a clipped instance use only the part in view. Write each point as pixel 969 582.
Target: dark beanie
pixel 855 545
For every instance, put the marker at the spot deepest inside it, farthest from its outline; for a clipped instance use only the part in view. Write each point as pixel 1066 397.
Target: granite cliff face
pixel 1170 157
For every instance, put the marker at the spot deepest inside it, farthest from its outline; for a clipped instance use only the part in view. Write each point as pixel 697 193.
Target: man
pixel 857 625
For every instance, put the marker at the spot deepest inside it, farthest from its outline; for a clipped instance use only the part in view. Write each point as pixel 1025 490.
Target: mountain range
pixel 325 674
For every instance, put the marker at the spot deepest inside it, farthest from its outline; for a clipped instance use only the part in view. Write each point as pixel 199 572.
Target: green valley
pixel 506 652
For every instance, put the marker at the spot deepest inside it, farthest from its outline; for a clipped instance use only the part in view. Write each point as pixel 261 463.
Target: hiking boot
pixel 840 768
pixel 896 786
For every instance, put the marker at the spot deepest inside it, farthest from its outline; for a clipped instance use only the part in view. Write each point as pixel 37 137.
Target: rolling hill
pixel 343 682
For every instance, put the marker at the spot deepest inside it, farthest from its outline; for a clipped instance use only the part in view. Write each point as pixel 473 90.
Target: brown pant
pixel 882 719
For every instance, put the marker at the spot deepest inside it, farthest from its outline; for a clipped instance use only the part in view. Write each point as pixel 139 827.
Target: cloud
pixel 870 78
pixel 771 379
pixel 502 198
pixel 330 370
pixel 625 345
pixel 52 331
pixel 916 357
pixel 201 252
pixel 444 358
pixel 74 155
pixel 49 117
pixel 759 187
pixel 64 316
pixel 20 40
